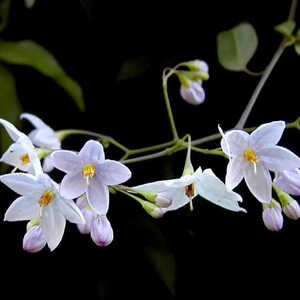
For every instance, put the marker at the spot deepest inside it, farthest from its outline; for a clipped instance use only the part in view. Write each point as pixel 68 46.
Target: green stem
pixel 243 119
pixel 168 105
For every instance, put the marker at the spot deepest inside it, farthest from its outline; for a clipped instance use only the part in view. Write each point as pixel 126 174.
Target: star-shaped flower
pixel 21 154
pixel 182 190
pixel 252 156
pixel 40 199
pixel 89 172
pixel 43 136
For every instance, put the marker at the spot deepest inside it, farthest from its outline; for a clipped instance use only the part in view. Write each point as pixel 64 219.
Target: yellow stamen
pixel 251 157
pixel 24 159
pixel 88 171
pixel 46 198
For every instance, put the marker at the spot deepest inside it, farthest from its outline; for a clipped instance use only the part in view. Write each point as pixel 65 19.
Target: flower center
pixel 24 159
pixel 46 198
pixel 190 190
pixel 88 171
pixel 251 157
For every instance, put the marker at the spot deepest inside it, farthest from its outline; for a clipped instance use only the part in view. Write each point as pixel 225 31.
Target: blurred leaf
pixel 31 54
pixel 236 47
pixel 10 107
pixel 133 68
pixel 297 47
pixel 4 13
pixel 286 28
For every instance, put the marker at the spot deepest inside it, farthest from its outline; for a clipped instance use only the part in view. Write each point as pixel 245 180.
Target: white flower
pixel 44 137
pixel 182 190
pixel 252 156
pixel 89 172
pixel 40 199
pixel 21 154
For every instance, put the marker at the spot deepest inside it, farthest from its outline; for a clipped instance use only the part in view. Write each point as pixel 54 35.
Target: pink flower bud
pixel 101 231
pixel 273 218
pixel 194 94
pixel 34 239
pixel 162 201
pixel 292 210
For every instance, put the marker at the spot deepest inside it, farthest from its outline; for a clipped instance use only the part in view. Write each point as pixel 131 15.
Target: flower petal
pixel 98 196
pixel 237 141
pixel 34 120
pixel 73 185
pixel 45 138
pixel 53 225
pixel 66 161
pixel 12 131
pixel 210 187
pixel 235 172
pixel 22 184
pixel 279 158
pixel 23 208
pixel 89 216
pixel 112 172
pixel 267 135
pixel 259 183
pixel 288 181
pixel 156 186
pixel 48 165
pixel 178 197
pixel 69 209
pixel 92 151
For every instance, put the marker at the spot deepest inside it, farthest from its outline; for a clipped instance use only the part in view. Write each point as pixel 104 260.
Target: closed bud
pixel 34 239
pixel 101 231
pixel 272 216
pixel 194 93
pixel 153 210
pixel 196 65
pixel 163 200
pixel 292 210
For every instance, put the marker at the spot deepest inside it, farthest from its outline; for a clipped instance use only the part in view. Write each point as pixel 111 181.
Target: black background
pixel 216 252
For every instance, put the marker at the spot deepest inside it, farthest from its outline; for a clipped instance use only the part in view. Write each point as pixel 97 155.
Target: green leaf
pixel 31 54
pixel 297 47
pixel 10 107
pixel 4 13
pixel 235 47
pixel 286 28
pixel 133 68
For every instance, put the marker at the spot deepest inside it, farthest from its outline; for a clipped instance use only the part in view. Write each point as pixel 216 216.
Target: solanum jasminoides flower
pixel 193 93
pixel 21 154
pixel 182 190
pixel 288 181
pixel 98 226
pixel 43 136
pixel 89 172
pixel 40 199
pixel 272 216
pixel 34 239
pixel 252 156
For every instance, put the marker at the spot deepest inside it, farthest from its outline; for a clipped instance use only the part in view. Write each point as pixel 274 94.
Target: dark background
pixel 214 252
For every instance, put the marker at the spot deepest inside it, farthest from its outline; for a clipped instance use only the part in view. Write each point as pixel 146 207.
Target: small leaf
pixel 235 47
pixel 298 34
pixel 133 68
pixel 4 13
pixel 31 54
pixel 10 107
pixel 286 28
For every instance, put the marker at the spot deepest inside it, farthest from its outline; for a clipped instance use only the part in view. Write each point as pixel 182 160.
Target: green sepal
pixel 286 28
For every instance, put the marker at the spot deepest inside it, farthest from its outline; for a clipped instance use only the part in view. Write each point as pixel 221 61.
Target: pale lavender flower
pixel 101 231
pixel 181 191
pixel 88 213
pixel 272 216
pixel 193 93
pixel 288 181
pixel 21 154
pixel 89 172
pixel 252 156
pixel 43 136
pixel 292 209
pixel 40 199
pixel 34 239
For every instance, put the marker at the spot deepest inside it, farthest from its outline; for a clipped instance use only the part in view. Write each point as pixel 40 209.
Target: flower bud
pixel 101 231
pixel 272 216
pixel 34 239
pixel 153 210
pixel 197 65
pixel 162 200
pixel 194 93
pixel 292 210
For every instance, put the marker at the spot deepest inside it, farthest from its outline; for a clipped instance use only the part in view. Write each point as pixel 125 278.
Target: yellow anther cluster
pixel 24 159
pixel 88 171
pixel 46 198
pixel 190 190
pixel 250 156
